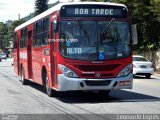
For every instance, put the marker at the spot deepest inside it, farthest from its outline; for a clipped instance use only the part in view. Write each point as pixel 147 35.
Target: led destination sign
pixel 89 11
pixel 93 11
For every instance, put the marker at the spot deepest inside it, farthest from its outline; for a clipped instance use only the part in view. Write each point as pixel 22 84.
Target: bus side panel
pixel 38 60
pixel 16 54
pixel 29 51
pixel 23 61
pixel 16 60
pixel 26 56
pixel 53 49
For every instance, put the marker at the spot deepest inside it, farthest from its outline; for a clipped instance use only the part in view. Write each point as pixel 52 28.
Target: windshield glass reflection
pixel 95 40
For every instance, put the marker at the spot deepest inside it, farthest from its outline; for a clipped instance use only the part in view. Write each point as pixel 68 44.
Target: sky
pixel 10 9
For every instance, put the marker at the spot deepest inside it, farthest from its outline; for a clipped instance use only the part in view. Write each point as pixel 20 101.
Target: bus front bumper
pixel 73 84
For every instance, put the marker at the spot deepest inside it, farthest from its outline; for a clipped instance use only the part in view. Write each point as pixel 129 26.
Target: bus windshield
pixel 95 40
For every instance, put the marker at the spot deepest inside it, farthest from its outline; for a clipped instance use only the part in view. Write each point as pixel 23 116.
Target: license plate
pixel 143 66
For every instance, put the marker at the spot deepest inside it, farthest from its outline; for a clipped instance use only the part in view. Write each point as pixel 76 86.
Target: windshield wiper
pixel 106 28
pixel 113 19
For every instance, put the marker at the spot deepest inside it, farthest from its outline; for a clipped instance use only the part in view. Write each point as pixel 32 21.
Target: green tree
pixel 40 6
pixel 7 33
pixel 3 36
pixel 146 14
pixel 10 34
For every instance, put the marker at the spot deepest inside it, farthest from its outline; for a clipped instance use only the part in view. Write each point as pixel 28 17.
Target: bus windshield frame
pixel 73 32
pixel 94 32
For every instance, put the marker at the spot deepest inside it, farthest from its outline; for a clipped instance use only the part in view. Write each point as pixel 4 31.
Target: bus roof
pixel 58 7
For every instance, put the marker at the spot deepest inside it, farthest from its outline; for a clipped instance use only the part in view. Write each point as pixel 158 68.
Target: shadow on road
pixel 142 77
pixel 36 86
pixel 115 96
pixel 6 66
pixel 94 97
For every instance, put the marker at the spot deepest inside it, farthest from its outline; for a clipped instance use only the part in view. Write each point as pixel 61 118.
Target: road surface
pixel 16 98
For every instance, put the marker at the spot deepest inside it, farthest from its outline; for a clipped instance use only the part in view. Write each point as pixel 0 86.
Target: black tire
pixel 104 93
pixel 148 76
pixel 134 76
pixel 23 80
pixel 50 92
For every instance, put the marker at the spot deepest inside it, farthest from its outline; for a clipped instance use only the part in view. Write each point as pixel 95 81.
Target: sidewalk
pixel 157 74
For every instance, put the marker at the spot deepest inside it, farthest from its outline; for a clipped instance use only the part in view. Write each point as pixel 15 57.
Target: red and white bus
pixel 84 46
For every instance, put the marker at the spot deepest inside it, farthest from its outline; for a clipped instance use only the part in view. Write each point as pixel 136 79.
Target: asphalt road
pixel 15 98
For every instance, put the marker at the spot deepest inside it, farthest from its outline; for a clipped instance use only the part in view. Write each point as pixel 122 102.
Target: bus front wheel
pixel 50 92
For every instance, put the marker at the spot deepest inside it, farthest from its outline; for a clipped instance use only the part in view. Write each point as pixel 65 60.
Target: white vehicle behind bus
pixel 142 66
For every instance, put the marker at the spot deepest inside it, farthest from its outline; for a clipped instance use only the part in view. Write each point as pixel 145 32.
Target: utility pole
pixel 19 16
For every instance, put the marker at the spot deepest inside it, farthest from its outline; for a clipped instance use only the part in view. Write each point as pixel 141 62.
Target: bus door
pixel 29 54
pixel 53 51
pixel 16 53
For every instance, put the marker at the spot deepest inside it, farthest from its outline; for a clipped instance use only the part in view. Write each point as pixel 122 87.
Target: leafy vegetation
pixel 40 6
pixel 3 35
pixel 144 13
pixel 7 33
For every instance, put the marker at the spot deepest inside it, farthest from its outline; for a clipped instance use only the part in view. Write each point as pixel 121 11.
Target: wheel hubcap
pixel 47 83
pixel 22 77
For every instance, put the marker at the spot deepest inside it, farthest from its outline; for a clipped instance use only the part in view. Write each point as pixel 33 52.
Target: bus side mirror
pixel 134 34
pixel 55 26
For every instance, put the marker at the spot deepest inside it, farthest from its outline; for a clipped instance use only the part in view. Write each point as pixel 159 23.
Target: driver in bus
pixel 109 41
pixel 106 36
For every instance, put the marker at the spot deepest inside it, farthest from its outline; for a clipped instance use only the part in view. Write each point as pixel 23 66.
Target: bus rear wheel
pixel 23 80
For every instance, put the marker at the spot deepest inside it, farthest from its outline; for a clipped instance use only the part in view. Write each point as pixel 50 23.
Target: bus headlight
pixel 66 71
pixel 126 71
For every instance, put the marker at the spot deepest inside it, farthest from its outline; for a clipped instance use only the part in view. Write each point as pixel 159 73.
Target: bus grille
pixel 97 83
pixel 93 75
pixel 97 67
